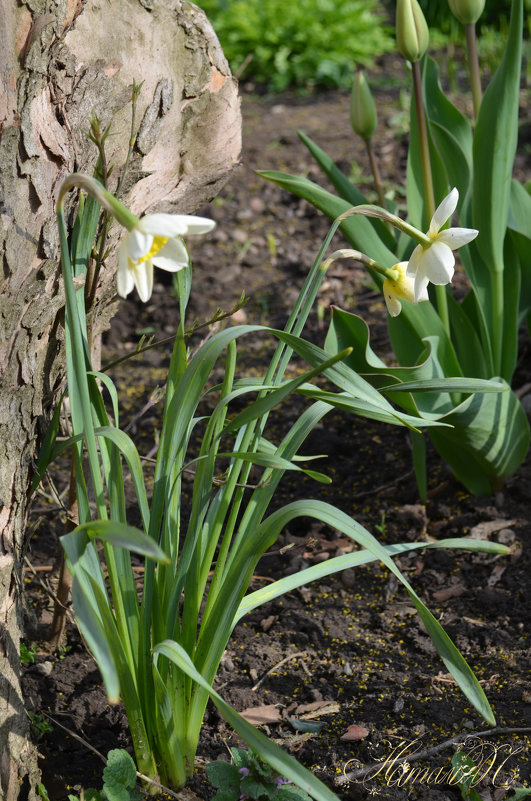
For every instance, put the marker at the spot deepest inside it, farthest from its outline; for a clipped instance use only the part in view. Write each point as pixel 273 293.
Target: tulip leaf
pixel 495 141
pixel 450 131
pixel 488 441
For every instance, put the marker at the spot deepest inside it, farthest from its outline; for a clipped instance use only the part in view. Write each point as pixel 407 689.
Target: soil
pixel 352 641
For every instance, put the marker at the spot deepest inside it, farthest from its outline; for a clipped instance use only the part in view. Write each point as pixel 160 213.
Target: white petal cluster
pixel 435 262
pixel 155 241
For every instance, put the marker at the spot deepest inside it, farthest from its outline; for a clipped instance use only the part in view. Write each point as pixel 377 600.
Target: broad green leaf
pixel 488 442
pixel 284 764
pixel 450 131
pixel 495 140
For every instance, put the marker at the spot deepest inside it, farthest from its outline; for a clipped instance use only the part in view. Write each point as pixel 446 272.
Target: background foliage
pixel 308 43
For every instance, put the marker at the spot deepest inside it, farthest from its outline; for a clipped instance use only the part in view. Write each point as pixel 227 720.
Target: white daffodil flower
pixel 155 240
pixel 401 289
pixel 435 262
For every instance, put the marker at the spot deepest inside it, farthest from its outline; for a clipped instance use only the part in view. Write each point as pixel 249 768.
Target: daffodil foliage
pixel 158 646
pixel 478 335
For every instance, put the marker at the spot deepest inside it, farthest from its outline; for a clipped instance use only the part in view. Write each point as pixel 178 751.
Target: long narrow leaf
pixel 284 764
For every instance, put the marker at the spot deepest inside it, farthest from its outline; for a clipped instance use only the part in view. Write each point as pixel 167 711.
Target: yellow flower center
pixel 158 244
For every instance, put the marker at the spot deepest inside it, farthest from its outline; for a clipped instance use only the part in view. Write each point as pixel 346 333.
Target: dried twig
pixel 275 667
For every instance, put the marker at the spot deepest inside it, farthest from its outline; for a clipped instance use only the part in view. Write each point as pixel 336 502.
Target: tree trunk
pixel 56 70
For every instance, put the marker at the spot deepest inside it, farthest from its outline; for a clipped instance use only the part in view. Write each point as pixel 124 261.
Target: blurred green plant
pixel 308 43
pixel 27 655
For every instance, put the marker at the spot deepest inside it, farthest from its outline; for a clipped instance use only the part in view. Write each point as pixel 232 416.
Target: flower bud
pixel 467 11
pixel 412 35
pixel 362 109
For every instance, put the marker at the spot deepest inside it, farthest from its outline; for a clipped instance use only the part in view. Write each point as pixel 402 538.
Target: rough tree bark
pixel 60 62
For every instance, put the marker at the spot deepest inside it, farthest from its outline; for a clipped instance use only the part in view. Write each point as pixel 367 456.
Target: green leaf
pixel 276 463
pixel 495 140
pixel 488 442
pixel 338 563
pixel 450 131
pixel 313 726
pixel 123 536
pixel 284 764
pixel 119 774
pixel 227 777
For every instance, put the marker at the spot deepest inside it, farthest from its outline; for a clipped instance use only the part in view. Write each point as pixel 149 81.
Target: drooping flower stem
pixel 473 66
pixel 440 291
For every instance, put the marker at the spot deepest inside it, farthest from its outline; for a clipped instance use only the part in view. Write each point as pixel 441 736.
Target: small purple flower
pixel 244 771
pixel 281 781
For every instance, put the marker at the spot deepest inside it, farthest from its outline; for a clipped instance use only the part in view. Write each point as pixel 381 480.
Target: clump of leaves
pixel 250 778
pixel 27 654
pixel 40 724
pixel 119 780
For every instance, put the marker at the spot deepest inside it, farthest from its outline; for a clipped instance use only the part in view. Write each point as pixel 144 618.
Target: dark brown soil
pixel 356 640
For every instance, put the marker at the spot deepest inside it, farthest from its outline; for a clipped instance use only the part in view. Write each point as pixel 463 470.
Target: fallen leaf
pixel 483 530
pixel 354 732
pixel 257 715
pixel 303 709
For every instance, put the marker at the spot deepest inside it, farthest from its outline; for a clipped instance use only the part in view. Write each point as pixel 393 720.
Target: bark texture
pixel 56 69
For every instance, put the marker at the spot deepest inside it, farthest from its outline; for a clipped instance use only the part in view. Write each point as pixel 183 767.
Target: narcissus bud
pixel 412 34
pixel 467 11
pixel 362 109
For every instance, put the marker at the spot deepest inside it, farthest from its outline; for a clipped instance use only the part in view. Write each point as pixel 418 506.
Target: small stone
pixel 44 668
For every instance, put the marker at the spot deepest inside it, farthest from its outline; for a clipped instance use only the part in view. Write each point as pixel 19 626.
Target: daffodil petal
pixel 443 212
pixel 165 225
pixel 438 263
pixel 457 237
pixel 124 277
pixel 138 244
pixel 421 288
pixel 415 261
pixel 143 278
pixel 199 225
pixel 172 257
pixel 172 225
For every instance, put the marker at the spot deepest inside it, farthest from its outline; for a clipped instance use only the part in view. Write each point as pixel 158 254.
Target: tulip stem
pixel 376 174
pixel 424 148
pixel 473 66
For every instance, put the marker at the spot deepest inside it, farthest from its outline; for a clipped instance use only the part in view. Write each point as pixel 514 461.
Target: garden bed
pixel 353 641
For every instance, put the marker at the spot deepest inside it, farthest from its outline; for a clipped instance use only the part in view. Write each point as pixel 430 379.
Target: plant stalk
pixel 427 179
pixel 473 66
